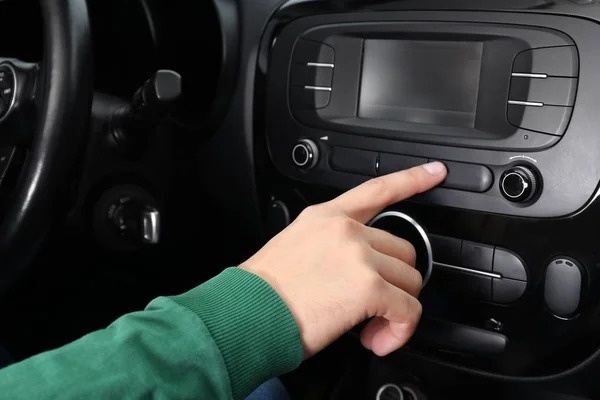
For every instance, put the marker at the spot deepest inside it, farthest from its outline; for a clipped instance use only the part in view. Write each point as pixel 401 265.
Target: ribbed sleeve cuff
pixel 253 328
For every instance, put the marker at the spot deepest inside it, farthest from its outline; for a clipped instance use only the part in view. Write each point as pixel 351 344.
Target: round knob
pixel 305 154
pixel 519 184
pixel 405 227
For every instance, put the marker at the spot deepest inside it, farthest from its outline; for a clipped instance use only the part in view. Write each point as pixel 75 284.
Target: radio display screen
pixel 422 82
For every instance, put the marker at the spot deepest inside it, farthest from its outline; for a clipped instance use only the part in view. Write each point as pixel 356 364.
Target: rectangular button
pixel 552 61
pixel 311 51
pixel 476 256
pixel 304 99
pixel 463 284
pixel 446 249
pixel 552 120
pixel 354 161
pixel 469 177
pixel 505 291
pixel 306 75
pixel 549 91
pixel 390 163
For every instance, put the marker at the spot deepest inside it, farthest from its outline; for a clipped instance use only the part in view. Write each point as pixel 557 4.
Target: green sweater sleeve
pixel 218 341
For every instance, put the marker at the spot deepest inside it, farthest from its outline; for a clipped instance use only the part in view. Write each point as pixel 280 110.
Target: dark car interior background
pixel 214 123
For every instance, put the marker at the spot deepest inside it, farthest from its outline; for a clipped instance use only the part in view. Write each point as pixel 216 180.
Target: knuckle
pixel 414 310
pixel 310 212
pixel 344 226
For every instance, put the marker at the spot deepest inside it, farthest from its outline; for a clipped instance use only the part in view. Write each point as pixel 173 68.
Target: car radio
pixel 502 99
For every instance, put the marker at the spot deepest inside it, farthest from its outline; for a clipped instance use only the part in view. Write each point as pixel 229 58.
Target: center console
pixel 507 99
pixel 503 99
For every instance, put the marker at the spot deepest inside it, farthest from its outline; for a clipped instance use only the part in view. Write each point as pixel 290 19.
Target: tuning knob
pixel 305 154
pixel 519 184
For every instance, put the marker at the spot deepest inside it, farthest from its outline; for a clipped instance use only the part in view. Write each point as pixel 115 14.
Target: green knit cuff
pixel 253 328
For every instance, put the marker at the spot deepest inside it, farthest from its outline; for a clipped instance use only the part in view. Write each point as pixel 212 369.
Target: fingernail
pixel 434 168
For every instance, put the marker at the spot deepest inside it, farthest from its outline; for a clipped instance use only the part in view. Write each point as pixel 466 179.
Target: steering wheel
pixel 44 109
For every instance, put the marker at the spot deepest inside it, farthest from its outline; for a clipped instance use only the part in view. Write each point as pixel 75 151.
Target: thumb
pixel 367 200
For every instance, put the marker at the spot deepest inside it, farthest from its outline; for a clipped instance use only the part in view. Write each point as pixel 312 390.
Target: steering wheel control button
pixel 563 287
pixel 305 154
pixel 405 227
pixel 354 161
pixel 519 184
pixel 8 87
pixel 476 256
pixel 509 265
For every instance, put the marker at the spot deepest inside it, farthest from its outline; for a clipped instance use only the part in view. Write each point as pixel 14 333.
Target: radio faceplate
pixel 528 84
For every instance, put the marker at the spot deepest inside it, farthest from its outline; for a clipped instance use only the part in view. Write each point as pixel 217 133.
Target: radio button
pixel 552 61
pixel 509 265
pixel 311 51
pixel 445 249
pixel 469 177
pixel 505 291
pixel 308 75
pixel 354 161
pixel 305 99
pixel 549 91
pixel 552 120
pixel 390 163
pixel 476 256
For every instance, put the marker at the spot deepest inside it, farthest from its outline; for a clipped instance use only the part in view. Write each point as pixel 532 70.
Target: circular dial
pixel 305 154
pixel 519 184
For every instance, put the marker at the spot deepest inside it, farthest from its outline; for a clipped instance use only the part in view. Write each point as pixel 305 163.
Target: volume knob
pixel 305 154
pixel 519 184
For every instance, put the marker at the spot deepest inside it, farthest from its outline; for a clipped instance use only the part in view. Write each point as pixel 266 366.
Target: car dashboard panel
pixel 504 96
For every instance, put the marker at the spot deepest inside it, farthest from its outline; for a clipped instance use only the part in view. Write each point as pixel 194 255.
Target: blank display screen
pixel 423 82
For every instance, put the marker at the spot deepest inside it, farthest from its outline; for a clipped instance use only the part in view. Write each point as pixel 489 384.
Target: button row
pixel 477 270
pixel 543 89
pixel 311 76
pixel 461 176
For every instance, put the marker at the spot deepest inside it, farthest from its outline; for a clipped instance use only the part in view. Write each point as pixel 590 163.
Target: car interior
pixel 146 145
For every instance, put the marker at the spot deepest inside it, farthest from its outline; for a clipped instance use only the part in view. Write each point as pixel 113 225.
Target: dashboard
pixel 287 103
pixel 503 93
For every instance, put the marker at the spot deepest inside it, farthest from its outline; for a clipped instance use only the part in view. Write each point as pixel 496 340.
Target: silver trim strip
pixel 468 270
pixel 419 229
pixel 15 90
pixel 526 103
pixel 322 65
pixel 318 88
pixel 524 75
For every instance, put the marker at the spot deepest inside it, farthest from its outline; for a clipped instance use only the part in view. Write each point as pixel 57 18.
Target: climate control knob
pixel 519 184
pixel 305 154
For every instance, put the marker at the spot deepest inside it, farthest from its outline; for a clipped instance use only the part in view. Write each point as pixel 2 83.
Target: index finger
pixel 367 200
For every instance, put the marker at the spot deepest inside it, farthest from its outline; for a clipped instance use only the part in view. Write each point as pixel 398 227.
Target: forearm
pixel 219 340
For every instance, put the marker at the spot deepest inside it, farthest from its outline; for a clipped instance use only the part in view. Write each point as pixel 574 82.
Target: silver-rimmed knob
pixel 405 227
pixel 305 154
pixel 519 184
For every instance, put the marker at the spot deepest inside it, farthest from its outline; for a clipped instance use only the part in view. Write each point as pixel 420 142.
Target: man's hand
pixel 334 272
